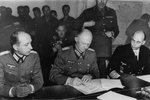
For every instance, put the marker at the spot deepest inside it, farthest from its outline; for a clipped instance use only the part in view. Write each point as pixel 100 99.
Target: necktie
pixel 135 52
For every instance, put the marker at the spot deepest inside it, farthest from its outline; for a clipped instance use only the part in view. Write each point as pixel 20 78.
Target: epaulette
pixel 91 49
pixel 33 51
pixel 4 52
pixel 65 48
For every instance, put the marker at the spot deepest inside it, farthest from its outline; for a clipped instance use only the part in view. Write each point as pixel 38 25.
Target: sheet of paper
pixel 111 83
pixel 91 87
pixel 114 96
pixel 144 77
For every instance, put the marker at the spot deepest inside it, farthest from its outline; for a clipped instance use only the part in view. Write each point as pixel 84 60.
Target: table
pixel 131 83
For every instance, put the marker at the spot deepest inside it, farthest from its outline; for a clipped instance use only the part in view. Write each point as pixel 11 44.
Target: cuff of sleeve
pixel 32 88
pixel 68 81
pixel 114 74
pixel 10 92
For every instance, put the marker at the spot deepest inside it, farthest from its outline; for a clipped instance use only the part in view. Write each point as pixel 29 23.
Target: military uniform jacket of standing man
pixel 104 27
pixel 103 23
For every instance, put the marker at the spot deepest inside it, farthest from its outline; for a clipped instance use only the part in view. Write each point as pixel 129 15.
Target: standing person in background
pixel 76 64
pixel 102 22
pixel 20 69
pixel 139 24
pixel 37 16
pixel 66 19
pixel 54 13
pixel 46 28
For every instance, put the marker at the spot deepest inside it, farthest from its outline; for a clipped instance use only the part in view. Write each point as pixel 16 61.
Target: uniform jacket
pixel 13 73
pixel 136 25
pixel 66 21
pixel 124 61
pixel 67 64
pixel 103 23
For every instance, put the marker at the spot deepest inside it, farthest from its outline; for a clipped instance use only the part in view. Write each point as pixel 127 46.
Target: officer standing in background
pixel 102 22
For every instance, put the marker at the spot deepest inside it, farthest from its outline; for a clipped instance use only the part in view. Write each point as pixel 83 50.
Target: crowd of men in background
pixel 43 28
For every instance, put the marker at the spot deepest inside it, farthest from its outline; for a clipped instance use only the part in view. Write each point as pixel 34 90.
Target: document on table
pixel 111 83
pixel 114 96
pixel 98 85
pixel 144 77
pixel 90 87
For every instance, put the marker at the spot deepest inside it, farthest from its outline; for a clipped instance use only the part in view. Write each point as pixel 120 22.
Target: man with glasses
pixel 130 59
pixel 76 64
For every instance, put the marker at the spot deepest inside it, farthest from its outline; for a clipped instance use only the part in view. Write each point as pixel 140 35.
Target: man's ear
pixel 143 42
pixel 76 38
pixel 15 47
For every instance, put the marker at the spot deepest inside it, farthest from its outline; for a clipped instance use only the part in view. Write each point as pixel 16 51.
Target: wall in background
pixel 127 10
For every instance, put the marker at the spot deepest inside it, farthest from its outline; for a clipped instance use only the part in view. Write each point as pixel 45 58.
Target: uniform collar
pixel 18 58
pixel 78 52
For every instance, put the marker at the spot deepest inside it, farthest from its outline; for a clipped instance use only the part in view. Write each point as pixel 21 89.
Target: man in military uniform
pixel 76 64
pixel 130 59
pixel 20 70
pixel 102 22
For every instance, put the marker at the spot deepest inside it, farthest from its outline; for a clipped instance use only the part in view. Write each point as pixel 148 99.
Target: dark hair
pixel 62 24
pixel 36 9
pixel 14 37
pixel 65 6
pixel 44 7
pixel 20 7
pixel 54 11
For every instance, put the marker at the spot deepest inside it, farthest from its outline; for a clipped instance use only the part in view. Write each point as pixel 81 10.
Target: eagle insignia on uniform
pixel 11 66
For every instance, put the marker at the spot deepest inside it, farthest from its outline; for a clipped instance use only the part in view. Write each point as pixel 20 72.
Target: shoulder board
pixel 33 51
pixel 4 52
pixel 65 48
pixel 91 49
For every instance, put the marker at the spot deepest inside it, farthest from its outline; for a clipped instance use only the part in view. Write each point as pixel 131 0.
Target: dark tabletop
pixel 131 83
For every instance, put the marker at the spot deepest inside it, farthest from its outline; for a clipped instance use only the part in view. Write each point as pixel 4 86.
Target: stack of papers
pixel 114 96
pixel 98 85
pixel 144 77
pixel 90 87
pixel 111 83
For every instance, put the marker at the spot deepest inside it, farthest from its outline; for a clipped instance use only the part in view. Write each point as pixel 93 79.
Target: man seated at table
pixel 76 64
pixel 20 70
pixel 130 59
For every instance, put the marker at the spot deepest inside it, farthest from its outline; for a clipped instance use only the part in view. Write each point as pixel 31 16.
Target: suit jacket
pixel 124 61
pixel 103 23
